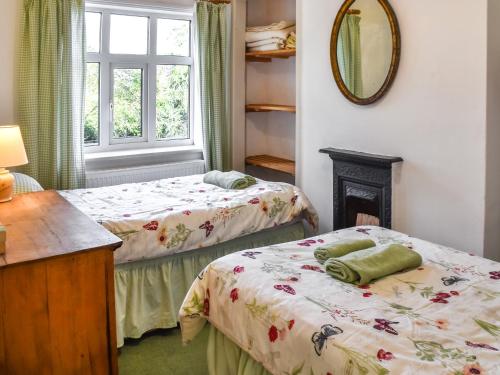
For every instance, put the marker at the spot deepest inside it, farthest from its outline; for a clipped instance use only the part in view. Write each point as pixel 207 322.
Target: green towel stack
pixel 341 248
pixel 229 180
pixel 361 267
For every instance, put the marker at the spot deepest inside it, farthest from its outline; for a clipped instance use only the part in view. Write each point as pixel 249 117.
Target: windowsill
pixel 143 152
pixel 141 157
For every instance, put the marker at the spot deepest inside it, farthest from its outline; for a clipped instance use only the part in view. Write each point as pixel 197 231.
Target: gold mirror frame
pixel 396 53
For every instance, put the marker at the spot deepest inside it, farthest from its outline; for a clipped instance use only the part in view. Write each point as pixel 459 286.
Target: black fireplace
pixel 362 188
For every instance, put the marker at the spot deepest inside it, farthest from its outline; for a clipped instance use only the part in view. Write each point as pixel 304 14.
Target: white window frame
pixel 107 62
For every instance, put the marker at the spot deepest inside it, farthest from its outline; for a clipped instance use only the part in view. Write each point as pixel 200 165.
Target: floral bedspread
pixel 279 305
pixel 178 214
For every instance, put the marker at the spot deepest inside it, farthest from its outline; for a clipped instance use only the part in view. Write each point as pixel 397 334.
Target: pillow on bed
pixel 25 184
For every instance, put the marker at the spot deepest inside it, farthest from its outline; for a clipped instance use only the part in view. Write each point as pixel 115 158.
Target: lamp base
pixel 6 185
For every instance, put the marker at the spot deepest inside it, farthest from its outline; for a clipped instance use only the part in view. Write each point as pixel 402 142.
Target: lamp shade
pixel 12 150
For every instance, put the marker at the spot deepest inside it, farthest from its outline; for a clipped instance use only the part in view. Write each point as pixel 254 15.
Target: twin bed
pixel 171 229
pixel 274 310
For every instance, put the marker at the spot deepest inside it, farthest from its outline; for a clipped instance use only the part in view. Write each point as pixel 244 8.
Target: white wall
pixel 8 33
pixel 434 117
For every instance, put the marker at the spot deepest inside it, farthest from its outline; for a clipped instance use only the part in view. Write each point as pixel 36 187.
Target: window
pixel 129 35
pixel 174 37
pixel 172 92
pixel 139 81
pixel 126 108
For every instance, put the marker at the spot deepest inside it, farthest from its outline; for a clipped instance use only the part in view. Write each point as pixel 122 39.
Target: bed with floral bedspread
pixel 169 216
pixel 278 305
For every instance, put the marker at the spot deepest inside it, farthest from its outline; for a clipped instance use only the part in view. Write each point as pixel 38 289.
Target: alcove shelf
pixel 268 56
pixel 270 108
pixel 270 93
pixel 272 162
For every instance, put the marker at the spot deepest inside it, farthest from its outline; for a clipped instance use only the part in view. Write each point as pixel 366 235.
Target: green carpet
pixel 162 353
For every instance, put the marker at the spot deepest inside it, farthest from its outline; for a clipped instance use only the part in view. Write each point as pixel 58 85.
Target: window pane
pixel 93 31
pixel 129 35
pixel 127 103
pixel 172 102
pixel 91 123
pixel 173 37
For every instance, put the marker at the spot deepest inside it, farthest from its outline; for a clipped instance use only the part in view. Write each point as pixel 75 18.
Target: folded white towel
pixel 264 35
pixel 272 27
pixel 264 42
pixel 267 47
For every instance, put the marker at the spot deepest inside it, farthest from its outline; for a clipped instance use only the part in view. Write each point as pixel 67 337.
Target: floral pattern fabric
pixel 278 304
pixel 173 215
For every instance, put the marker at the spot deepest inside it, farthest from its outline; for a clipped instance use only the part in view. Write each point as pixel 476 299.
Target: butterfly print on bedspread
pixel 495 275
pixel 320 338
pixel 385 325
pixel 251 254
pixel 451 280
pixel 309 243
pixel 363 230
pixel 208 228
pixel 201 275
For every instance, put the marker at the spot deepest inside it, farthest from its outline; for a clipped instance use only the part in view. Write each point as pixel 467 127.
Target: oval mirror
pixel 365 49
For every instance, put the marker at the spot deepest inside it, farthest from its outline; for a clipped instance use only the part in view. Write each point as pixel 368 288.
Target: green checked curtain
pixel 213 22
pixel 51 91
pixel 349 52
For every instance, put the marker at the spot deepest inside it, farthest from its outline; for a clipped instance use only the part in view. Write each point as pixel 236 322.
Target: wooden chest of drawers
pixel 57 311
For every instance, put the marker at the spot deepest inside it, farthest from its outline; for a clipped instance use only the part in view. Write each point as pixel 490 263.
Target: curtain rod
pixel 219 1
pixel 353 11
pixel 149 6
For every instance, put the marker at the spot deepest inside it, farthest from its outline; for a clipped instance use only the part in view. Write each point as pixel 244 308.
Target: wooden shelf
pixel 272 162
pixel 268 56
pixel 269 108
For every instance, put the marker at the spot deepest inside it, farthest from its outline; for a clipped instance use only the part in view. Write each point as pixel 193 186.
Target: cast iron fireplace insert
pixel 362 188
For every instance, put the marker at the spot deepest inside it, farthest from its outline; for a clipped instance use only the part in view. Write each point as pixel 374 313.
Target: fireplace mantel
pixel 366 180
pixel 362 158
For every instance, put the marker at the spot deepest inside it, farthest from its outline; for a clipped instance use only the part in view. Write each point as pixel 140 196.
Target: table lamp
pixel 12 153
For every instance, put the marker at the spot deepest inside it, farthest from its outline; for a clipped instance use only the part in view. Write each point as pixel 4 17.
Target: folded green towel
pixel 363 266
pixel 341 248
pixel 229 180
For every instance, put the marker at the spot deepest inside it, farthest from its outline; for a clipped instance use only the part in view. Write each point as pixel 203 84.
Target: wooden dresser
pixel 57 306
